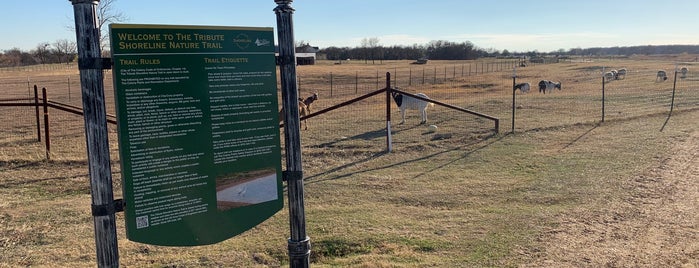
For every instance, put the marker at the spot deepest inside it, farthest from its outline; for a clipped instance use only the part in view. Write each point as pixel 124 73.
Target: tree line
pixel 370 50
pixel 446 50
pixel 65 51
pixel 60 51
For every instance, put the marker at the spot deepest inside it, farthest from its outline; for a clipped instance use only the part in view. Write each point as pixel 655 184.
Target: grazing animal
pixel 406 102
pixel 523 87
pixel 308 101
pixel 303 111
pixel 621 74
pixel 609 76
pixel 661 76
pixel 546 85
pixel 684 72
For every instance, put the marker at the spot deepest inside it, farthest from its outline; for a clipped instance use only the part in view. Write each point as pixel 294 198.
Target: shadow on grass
pixel 489 140
pixel 39 164
pixel 371 135
pixel 581 136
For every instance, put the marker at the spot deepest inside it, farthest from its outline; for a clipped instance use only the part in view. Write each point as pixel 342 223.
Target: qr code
pixel 141 222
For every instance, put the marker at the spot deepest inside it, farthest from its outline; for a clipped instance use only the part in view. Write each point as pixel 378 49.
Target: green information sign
pixel 198 131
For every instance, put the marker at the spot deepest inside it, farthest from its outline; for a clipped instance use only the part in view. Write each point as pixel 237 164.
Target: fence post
pixel 377 78
pixel 603 100
pixel 46 124
pixel 298 244
pixel 423 75
pixel 356 82
pixel 514 83
pixel 38 117
pixel 68 88
pixel 95 115
pixel 674 85
pixel 434 78
pixel 331 84
pixel 389 139
pixel 410 76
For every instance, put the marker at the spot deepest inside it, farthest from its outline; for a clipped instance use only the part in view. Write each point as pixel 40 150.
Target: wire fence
pixel 360 128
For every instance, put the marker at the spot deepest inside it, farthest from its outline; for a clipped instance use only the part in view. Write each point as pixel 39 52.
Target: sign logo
pixel 261 42
pixel 242 40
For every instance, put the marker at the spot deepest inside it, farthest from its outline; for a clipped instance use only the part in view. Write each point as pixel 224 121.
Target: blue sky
pixel 515 25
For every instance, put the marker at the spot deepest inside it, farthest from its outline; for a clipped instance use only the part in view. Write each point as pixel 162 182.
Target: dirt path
pixel 656 225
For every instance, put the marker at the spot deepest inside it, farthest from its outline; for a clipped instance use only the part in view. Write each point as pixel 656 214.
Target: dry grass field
pixel 564 190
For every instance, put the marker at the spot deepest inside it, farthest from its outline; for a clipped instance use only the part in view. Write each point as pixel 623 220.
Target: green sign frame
pixel 198 128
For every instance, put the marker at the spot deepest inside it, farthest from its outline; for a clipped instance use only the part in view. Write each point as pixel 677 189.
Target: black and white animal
pixel 406 102
pixel 683 72
pixel 620 74
pixel 609 76
pixel 523 87
pixel 661 76
pixel 546 85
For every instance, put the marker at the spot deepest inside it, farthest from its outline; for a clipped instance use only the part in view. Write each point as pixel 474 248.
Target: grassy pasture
pixel 462 197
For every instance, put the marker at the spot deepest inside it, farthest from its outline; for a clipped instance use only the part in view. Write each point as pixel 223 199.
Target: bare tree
pixel 42 52
pixel 65 50
pixel 13 57
pixel 370 46
pixel 106 14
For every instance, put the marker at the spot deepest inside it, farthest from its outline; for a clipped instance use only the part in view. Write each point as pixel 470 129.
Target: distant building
pixel 421 61
pixel 305 55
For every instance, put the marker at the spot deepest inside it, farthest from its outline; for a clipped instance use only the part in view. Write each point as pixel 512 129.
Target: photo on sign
pixel 246 188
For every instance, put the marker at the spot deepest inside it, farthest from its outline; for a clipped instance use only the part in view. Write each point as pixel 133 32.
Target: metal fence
pixel 360 128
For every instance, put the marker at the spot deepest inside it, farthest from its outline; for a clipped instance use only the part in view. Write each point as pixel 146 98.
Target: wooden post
pixel 299 244
pixel 46 124
pixel 38 117
pixel 92 88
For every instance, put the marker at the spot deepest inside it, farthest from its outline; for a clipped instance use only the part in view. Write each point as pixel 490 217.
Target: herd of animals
pixel 406 102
